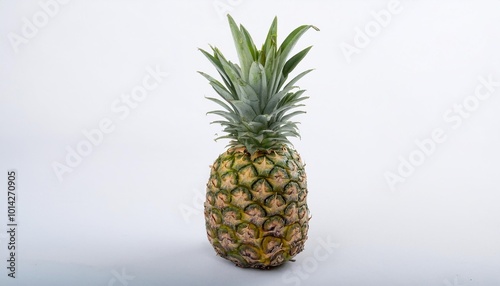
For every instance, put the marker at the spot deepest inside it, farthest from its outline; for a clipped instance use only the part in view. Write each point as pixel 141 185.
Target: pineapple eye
pixel 296 248
pixel 278 259
pixel 278 178
pixel 293 233
pixel 292 191
pixel 228 181
pixel 241 197
pixel 262 186
pixel 227 238
pixel 222 198
pixel 247 175
pixel 275 201
pixel 213 217
pixel 247 232
pixel 249 253
pixel 274 225
pixel 303 211
pixel 271 244
pixel 231 216
pixel 275 204
pixel 302 195
pixel 291 213
pixel 255 211
pixel 210 199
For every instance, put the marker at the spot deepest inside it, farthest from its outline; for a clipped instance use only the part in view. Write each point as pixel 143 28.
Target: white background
pixel 134 204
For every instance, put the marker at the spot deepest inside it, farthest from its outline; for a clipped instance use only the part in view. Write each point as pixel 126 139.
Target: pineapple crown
pixel 257 100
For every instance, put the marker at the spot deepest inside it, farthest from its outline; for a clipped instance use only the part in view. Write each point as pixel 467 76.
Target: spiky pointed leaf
pixel 294 61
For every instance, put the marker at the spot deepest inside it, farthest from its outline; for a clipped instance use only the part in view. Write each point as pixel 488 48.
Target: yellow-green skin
pixel 255 211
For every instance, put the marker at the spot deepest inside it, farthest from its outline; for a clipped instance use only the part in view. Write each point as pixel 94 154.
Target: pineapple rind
pixel 260 221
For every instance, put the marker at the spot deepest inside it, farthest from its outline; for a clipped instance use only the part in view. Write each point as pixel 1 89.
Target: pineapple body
pixel 256 212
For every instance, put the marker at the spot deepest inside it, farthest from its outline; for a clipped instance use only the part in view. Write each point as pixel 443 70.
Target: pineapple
pixel 255 210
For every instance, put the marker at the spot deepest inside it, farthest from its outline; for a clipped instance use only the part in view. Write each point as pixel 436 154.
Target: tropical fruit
pixel 256 212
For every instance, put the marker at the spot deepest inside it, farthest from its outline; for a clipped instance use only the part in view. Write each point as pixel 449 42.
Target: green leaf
pixel 216 62
pixel 244 53
pixel 249 43
pixel 221 103
pixel 208 77
pixel 287 46
pixel 229 125
pixel 227 115
pixel 292 98
pixel 292 114
pixel 299 76
pixel 294 61
pixel 264 94
pixel 275 98
pixel 232 73
pixel 218 87
pixel 286 108
pixel 248 94
pixel 255 76
pixel 292 39
pixel 246 111
pixel 293 133
pixel 272 38
pixel 223 92
pixel 263 118
pixel 271 68
pixel 228 136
